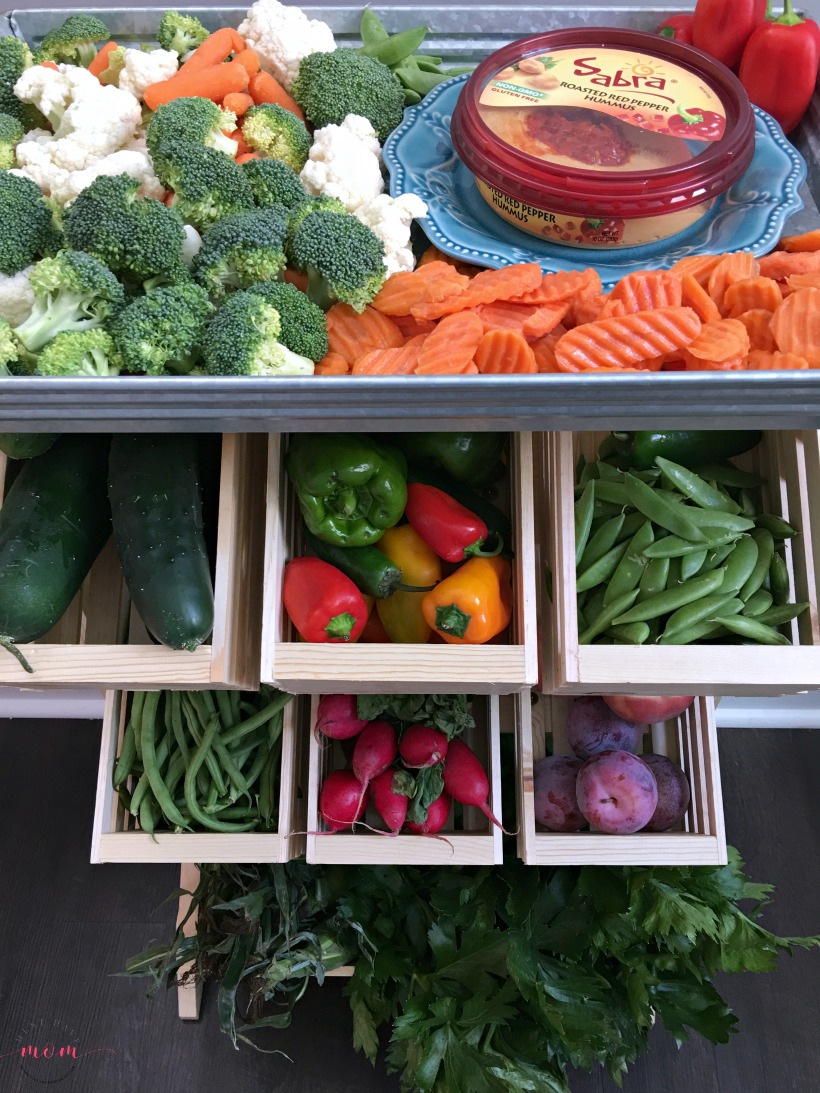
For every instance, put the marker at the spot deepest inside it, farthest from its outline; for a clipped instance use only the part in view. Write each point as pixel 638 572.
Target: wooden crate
pixel 690 740
pixel 116 836
pixel 475 841
pixel 790 463
pixel 503 665
pixel 100 641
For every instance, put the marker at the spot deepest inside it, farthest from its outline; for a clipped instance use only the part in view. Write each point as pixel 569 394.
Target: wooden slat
pixel 189 992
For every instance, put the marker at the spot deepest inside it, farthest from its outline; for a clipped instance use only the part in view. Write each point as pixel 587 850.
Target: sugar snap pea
pixel 583 519
pixel 634 633
pixel 695 488
pixel 673 546
pixel 672 598
pixel 371 29
pixel 740 564
pixel 396 48
pixel 629 570
pixel 691 564
pixel 607 616
pixel 752 629
pixel 779 579
pixel 757 603
pixel 602 540
pixel 703 610
pixel 727 474
pixel 718 556
pixel 765 549
pixel 660 511
pixel 776 525
pixel 603 569
pixel 779 616
pixel 702 631
pixel 654 578
pixel 748 506
pixel 711 521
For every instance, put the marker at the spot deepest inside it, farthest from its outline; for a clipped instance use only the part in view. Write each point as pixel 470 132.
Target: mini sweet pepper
pixel 473 604
pixel 779 66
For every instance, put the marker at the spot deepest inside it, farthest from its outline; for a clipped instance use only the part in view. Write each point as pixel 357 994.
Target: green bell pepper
pixel 471 458
pixel 689 447
pixel 350 488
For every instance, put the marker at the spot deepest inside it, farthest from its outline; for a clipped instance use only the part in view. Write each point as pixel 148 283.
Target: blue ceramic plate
pixel 421 160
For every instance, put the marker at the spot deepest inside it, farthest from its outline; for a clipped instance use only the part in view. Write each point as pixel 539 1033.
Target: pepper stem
pixel 475 549
pixel 452 620
pixel 7 643
pixel 788 18
pixel 340 626
pixel 690 119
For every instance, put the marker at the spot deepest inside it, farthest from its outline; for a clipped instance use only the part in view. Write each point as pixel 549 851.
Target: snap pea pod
pixel 718 556
pixel 753 629
pixel 758 603
pixel 672 598
pixel 630 569
pixel 727 474
pixel 694 487
pixel 779 616
pixel 654 579
pixel 740 564
pixel 603 569
pixel 583 519
pixel 711 521
pixel 607 616
pixel 633 633
pixel 702 631
pixel 765 550
pixel 602 540
pixel 660 511
pixel 779 583
pixel 691 564
pixel 396 48
pixel 614 493
pixel 673 546
pixel 776 525
pixel 748 506
pixel 702 610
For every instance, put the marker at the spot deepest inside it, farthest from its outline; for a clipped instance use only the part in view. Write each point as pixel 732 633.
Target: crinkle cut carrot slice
pixel 644 291
pixel 451 346
pixel 352 334
pixel 694 295
pixel 779 264
pixel 505 351
pixel 755 292
pixel 806 241
pixel 762 361
pixel 699 266
pixel 722 340
pixel 556 288
pixel 390 362
pixel 738 266
pixel 403 291
pixel 619 343
pixel 544 349
pixel 485 288
pixel 796 323
pixel 332 364
pixel 758 323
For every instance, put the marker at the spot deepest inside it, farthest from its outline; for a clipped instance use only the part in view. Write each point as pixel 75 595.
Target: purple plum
pixel 556 806
pixel 617 792
pixel 673 793
pixel 592 728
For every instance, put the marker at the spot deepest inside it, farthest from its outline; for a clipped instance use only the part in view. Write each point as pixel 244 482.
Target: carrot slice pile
pixel 619 343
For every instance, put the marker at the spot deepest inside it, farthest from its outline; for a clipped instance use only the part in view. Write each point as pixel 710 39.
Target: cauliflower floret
pixel 282 36
pixel 16 296
pixel 142 69
pixel 90 122
pixel 390 218
pixel 345 163
pixel 125 161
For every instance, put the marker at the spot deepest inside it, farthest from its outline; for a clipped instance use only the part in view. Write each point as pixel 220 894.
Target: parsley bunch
pixel 492 979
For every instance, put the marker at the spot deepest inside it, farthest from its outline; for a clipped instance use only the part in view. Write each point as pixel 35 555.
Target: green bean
pixel 204 704
pixel 225 710
pixel 752 629
pixel 212 800
pixel 128 753
pixel 694 487
pixel 631 566
pixel 195 729
pixel 727 474
pixel 603 569
pixel 259 760
pixel 137 700
pixel 765 549
pixel 175 772
pixel 779 616
pixel 148 815
pixel 634 633
pixel 691 564
pixel 673 598
pixel 711 521
pixel 150 758
pixel 583 519
pixel 177 728
pixel 675 547
pixel 261 717
pixel 740 564
pixel 143 783
pixel 607 617
pixel 757 603
pixel 654 578
pixel 779 580
pixel 601 541
pixel 703 610
pixel 660 511
pixel 234 702
pixel 197 759
pixel 779 528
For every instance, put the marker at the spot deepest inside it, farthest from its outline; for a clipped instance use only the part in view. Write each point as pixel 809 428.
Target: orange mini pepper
pixel 473 604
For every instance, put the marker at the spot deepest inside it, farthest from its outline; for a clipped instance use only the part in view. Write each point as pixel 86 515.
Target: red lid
pixel 604 119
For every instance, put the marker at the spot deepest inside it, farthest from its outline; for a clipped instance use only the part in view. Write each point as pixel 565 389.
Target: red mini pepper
pixel 322 603
pixel 445 525
pixel 721 28
pixel 779 66
pixel 678 27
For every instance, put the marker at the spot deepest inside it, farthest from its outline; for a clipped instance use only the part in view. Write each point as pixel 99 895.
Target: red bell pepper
pixel 779 66
pixel 678 27
pixel 445 525
pixel 721 28
pixel 322 603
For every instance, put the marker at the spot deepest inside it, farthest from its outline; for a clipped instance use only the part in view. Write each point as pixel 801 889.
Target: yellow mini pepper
pixel 401 614
pixel 473 604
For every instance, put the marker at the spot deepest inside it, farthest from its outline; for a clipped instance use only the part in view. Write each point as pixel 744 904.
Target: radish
pixel 338 718
pixel 466 780
pixel 341 800
pixel 437 813
pixel 422 746
pixel 375 750
pixel 391 806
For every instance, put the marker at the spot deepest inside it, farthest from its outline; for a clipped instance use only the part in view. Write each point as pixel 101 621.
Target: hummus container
pixel 602 137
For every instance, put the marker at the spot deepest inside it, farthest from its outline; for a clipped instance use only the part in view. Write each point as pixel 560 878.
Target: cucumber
pixel 26 445
pixel 156 512
pixel 54 522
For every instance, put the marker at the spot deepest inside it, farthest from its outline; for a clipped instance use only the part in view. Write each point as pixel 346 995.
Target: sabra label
pixel 603 109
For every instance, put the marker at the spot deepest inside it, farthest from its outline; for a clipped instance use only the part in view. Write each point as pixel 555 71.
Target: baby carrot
pixel 264 88
pixel 237 102
pixel 246 157
pixel 242 146
pixel 100 62
pixel 249 59
pixel 214 82
pixel 216 48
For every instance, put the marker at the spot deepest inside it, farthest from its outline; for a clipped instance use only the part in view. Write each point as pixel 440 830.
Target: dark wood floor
pixel 66 928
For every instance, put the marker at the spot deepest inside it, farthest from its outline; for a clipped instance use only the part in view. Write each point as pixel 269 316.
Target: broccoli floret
pixel 343 259
pixel 138 238
pixel 161 327
pixel 242 339
pixel 11 133
pixel 274 183
pixel 321 203
pixel 15 58
pixel 87 353
pixel 304 327
pixel 72 291
pixel 278 134
pixel 184 33
pixel 240 250
pixel 10 351
pixel 194 120
pixel 73 43
pixel 207 184
pixel 332 85
pixel 115 63
pixel 27 228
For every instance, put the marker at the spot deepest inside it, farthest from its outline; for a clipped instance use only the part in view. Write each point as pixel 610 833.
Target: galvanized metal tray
pixel 462 34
